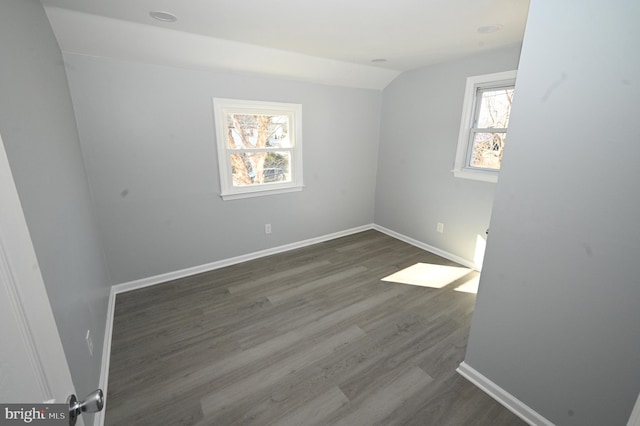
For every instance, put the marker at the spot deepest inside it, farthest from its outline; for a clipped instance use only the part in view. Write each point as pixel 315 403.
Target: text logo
pixel 35 414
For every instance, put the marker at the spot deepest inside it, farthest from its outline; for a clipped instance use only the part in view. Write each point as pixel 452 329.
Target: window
pixel 259 147
pixel 483 128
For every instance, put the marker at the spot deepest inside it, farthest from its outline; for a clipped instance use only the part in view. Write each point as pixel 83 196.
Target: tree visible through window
pixel 250 140
pixel 483 127
pixel 490 130
pixel 258 147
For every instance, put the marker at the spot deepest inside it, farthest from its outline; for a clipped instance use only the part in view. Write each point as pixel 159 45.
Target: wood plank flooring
pixel 307 337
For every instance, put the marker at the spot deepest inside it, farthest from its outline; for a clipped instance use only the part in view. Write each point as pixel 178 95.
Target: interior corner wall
pixel 557 323
pixel 416 189
pixel 39 132
pixel 148 136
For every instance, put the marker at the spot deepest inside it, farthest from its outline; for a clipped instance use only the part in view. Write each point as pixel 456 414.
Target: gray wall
pixel 39 132
pixel 419 134
pixel 148 136
pixel 557 319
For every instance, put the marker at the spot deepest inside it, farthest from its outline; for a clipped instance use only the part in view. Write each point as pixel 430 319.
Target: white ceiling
pixel 342 36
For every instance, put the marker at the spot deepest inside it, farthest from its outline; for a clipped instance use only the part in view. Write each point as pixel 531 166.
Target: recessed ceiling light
pixel 378 60
pixel 488 29
pixel 163 16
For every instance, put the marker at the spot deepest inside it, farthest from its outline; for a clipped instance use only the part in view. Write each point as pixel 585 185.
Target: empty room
pixel 306 213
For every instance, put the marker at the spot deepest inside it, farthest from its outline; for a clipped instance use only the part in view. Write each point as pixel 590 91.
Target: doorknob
pixel 91 404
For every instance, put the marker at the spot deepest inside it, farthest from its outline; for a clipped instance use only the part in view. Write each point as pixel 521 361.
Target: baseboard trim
pixel 452 257
pixel 98 419
pixel 509 401
pixel 182 273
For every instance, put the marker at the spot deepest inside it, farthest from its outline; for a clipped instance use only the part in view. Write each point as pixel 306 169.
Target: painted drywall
pixel 148 136
pixel 557 322
pixel 416 189
pixel 39 132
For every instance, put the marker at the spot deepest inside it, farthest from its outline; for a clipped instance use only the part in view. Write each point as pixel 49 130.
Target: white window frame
pixel 462 168
pixel 223 106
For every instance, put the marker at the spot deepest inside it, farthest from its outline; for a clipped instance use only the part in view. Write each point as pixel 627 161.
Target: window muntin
pixel 489 131
pixel 484 123
pixel 259 147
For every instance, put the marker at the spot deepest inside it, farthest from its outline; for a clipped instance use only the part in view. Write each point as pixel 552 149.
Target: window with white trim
pixel 483 127
pixel 259 147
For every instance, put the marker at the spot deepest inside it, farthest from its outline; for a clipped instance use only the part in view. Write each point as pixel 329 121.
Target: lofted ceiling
pixel 333 41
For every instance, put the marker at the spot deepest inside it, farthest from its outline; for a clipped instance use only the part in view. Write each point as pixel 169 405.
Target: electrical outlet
pixel 267 228
pixel 440 227
pixel 89 342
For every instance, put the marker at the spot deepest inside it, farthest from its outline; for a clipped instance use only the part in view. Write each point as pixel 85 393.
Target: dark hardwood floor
pixel 307 337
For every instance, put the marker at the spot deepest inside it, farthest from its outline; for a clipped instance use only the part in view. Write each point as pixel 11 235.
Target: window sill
pixel 259 193
pixel 479 175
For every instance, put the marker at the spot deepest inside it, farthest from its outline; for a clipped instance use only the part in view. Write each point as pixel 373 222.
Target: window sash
pixel 471 148
pixel 253 150
pixel 475 87
pixel 478 100
pixel 480 90
pixel 222 109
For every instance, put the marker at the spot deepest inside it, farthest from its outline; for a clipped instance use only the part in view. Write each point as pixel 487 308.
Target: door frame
pixel 634 419
pixel 20 275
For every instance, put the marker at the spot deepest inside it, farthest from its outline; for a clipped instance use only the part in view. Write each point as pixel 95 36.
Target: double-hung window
pixel 259 147
pixel 483 128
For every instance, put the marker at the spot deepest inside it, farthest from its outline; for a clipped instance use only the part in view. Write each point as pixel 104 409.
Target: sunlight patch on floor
pixel 428 275
pixel 470 286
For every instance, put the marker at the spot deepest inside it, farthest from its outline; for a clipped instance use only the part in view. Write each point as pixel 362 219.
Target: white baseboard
pixel 509 401
pixel 182 273
pixel 452 257
pixel 158 279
